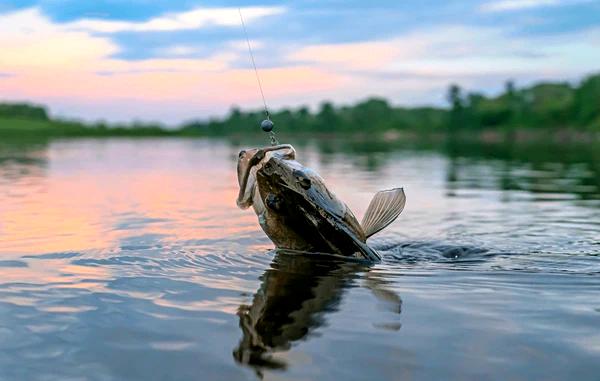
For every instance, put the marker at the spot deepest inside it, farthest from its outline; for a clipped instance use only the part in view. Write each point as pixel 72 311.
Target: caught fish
pixel 298 212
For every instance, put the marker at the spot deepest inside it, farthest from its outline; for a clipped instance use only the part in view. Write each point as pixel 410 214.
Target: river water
pixel 129 260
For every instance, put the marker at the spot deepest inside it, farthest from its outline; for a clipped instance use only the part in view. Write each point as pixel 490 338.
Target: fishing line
pixel 267 125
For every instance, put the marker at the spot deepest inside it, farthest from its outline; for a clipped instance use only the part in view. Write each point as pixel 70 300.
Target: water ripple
pixel 129 260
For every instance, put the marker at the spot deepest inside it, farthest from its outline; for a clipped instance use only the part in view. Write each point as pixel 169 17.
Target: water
pixel 128 260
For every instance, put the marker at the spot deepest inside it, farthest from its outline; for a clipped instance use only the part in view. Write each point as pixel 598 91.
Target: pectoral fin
pixel 384 208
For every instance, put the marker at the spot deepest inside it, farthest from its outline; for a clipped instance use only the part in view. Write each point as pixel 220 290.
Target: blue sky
pixel 176 60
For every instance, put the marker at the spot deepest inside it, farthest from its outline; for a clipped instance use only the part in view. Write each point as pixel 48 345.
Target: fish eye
pixel 241 154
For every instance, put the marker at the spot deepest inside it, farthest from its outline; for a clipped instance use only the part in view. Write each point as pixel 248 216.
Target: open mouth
pixel 249 162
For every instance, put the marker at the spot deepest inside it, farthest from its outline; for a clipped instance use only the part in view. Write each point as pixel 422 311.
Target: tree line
pixel 543 105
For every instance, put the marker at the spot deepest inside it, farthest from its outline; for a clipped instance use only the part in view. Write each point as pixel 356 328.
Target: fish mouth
pixel 250 161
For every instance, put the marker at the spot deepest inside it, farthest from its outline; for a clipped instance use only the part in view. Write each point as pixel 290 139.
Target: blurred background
pixel 382 65
pixel 123 255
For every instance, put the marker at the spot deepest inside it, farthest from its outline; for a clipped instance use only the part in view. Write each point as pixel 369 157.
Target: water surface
pixel 128 260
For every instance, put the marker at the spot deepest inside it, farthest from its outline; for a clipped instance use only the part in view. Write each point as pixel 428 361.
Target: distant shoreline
pixel 556 111
pixel 13 128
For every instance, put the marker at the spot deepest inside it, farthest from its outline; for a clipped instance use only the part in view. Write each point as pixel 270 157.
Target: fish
pixel 298 212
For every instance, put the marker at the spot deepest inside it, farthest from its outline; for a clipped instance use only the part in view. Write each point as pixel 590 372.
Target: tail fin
pixel 384 208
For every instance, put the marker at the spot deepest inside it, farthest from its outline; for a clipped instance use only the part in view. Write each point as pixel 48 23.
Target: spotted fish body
pixel 298 212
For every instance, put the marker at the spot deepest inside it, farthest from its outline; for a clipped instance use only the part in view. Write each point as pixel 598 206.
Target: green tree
pixel 457 107
pixel 327 118
pixel 586 103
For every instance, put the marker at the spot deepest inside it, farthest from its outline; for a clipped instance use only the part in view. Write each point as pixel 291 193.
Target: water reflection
pixel 544 168
pixel 538 168
pixel 68 195
pixel 128 259
pixel 548 170
pixel 296 294
pixel 22 159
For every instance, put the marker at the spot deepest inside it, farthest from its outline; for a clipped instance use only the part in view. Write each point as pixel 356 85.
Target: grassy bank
pixel 24 128
pixel 56 128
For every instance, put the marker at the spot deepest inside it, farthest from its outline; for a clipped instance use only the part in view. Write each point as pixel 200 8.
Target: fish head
pixel 249 162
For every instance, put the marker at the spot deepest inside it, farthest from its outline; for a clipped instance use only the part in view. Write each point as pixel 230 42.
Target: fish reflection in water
pixel 295 295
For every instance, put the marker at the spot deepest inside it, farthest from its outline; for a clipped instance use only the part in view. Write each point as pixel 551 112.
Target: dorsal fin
pixel 384 208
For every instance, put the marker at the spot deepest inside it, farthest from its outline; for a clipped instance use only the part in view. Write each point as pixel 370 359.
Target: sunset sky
pixel 171 61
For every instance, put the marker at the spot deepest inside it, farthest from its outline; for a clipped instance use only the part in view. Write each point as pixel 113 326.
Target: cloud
pixel 169 96
pixel 32 44
pixel 82 72
pixel 238 47
pixel 179 51
pixel 30 40
pixel 60 66
pixel 361 55
pixel 418 66
pixel 457 51
pixel 514 5
pixel 193 19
